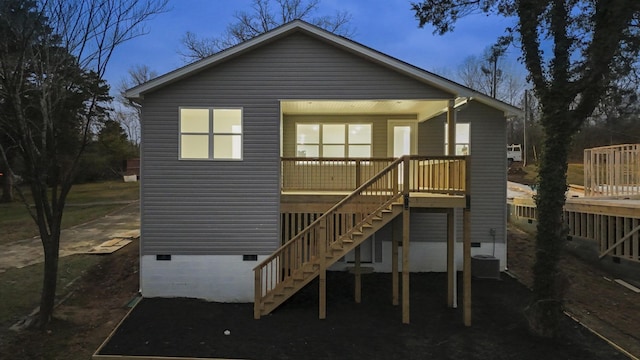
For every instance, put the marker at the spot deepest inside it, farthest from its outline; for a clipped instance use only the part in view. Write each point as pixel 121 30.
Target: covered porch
pixel 349 167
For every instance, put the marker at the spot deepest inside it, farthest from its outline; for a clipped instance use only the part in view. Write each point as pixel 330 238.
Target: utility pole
pixel 494 54
pixel 524 128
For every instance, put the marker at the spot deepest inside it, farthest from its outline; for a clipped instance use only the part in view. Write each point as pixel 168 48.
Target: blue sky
pixel 385 25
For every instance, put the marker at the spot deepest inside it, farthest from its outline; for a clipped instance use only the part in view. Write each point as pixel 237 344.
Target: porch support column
pixel 467 267
pixel 395 239
pixel 451 266
pixel 322 311
pixel 451 129
pixel 406 213
pixel 466 246
pixel 322 278
pixel 358 277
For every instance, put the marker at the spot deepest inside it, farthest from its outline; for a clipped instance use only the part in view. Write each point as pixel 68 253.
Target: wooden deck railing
pixel 435 174
pixel 438 174
pixel 612 170
pixel 309 246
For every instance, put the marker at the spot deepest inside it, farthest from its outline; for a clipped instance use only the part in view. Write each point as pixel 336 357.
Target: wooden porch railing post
pixel 257 301
pixel 395 180
pixel 358 175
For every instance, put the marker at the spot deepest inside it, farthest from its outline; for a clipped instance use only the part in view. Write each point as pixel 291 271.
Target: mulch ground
pixel 370 330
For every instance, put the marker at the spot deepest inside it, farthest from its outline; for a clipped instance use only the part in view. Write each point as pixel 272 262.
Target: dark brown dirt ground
pixel 96 304
pixel 372 329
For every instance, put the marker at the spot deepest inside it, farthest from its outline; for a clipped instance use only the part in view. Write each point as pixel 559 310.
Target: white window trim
pixel 211 133
pixel 413 124
pixel 346 144
pixel 446 140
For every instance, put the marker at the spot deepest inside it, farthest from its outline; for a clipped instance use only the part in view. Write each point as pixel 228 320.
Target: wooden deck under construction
pixel 609 212
pixel 613 223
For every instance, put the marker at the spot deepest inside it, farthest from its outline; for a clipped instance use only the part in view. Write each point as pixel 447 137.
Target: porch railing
pixel 326 174
pixel 612 170
pixel 434 174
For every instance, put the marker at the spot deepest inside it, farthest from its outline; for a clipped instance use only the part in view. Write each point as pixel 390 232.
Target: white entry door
pixel 402 137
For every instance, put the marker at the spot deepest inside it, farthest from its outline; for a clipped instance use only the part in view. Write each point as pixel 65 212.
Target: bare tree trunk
pixel 549 283
pixel 7 177
pixel 7 186
pixel 51 246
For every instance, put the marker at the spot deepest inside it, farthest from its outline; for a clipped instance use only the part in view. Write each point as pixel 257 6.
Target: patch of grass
pixel 104 191
pixel 575 173
pixel 84 203
pixel 22 287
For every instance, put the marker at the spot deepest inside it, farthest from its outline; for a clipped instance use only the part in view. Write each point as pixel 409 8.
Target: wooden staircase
pixel 300 260
pixel 311 269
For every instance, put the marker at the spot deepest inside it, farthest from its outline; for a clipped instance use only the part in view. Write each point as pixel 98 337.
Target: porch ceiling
pixel 424 109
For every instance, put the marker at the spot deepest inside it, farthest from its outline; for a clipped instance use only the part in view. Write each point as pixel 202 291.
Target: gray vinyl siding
pixel 232 207
pixel 488 171
pixel 431 134
pixel 488 174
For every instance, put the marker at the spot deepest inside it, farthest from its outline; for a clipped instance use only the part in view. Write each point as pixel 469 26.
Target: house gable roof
pixel 457 90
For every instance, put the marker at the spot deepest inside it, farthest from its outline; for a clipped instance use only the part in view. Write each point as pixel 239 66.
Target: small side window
pixel 210 133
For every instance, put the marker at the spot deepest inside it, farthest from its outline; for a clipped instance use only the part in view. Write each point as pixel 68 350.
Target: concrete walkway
pixel 122 223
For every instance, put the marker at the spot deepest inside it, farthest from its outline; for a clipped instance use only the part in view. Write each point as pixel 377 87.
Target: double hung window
pixel 211 133
pixel 333 140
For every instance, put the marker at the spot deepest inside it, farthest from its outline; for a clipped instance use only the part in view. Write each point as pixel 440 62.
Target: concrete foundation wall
pixel 227 278
pixel 222 278
pixel 428 257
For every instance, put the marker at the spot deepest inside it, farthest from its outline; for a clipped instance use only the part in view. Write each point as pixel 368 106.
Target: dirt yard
pixel 371 330
pixel 97 303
